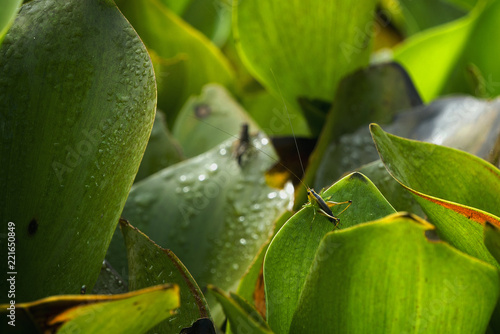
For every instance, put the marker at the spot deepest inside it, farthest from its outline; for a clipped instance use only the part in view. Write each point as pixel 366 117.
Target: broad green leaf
pixel 395 276
pixel 170 37
pixel 439 59
pixel 291 253
pixel 150 265
pixel 241 316
pixel 133 312
pixel 440 171
pixel 162 150
pixel 212 212
pixel 302 49
pixel 209 119
pixel 457 191
pixel 77 103
pixel 7 15
pixel 377 92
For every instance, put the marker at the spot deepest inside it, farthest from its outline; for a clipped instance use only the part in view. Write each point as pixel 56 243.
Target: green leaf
pixel 291 253
pixel 307 45
pixel 170 37
pixel 439 59
pixel 492 240
pixel 241 316
pixel 162 150
pixel 150 265
pixel 77 103
pixel 456 190
pixel 211 211
pixel 133 312
pixel 7 15
pixel 209 119
pixel 395 276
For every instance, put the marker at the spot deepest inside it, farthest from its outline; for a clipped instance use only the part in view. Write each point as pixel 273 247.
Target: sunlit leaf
pixel 394 276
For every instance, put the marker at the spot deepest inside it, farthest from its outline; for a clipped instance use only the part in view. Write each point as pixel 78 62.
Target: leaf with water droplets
pixel 212 212
pixel 77 102
pixel 150 265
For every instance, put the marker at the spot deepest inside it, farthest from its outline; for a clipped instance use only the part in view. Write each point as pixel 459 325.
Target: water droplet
pixel 201 177
pixel 222 151
pixel 213 167
pixel 272 195
pixel 243 241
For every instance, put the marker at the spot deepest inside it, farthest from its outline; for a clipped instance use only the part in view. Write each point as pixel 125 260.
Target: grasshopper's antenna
pixel 291 126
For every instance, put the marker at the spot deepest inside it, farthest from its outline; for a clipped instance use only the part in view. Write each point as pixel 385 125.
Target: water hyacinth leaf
pixel 209 119
pixel 74 125
pixel 241 316
pixel 7 15
pixel 169 36
pixel 150 265
pixel 411 282
pixel 428 168
pixel 211 211
pixel 456 190
pixel 439 60
pixel 162 150
pixel 133 312
pixel 268 32
pixel 291 253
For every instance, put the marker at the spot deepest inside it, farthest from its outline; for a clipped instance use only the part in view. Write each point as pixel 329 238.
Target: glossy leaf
pixel 211 211
pixel 133 312
pixel 150 265
pixel 171 38
pixel 209 119
pixel 457 191
pixel 394 276
pixel 241 316
pixel 328 42
pixel 77 102
pixel 7 15
pixel 291 253
pixel 439 59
